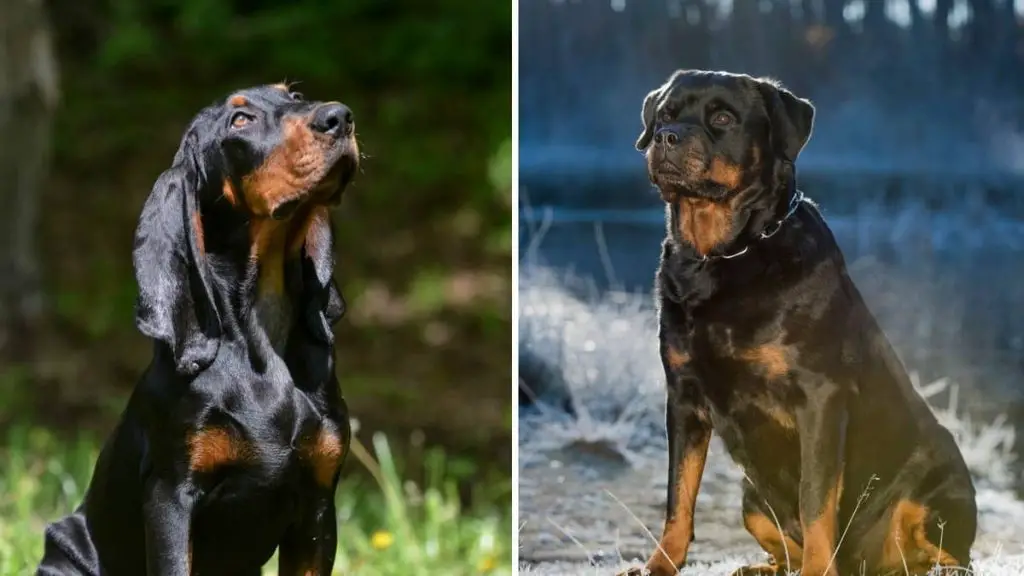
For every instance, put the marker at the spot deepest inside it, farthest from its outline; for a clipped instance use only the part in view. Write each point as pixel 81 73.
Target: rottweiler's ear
pixel 792 119
pixel 175 304
pixel 324 304
pixel 647 116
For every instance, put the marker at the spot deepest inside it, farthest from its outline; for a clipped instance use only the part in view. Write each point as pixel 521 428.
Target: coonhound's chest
pixel 273 446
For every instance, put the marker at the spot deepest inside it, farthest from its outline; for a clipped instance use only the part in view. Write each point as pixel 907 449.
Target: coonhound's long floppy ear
pixel 324 304
pixel 792 118
pixel 175 304
pixel 647 117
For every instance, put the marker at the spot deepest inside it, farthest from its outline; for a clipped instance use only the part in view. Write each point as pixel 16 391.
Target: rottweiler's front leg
pixel 167 512
pixel 308 548
pixel 688 425
pixel 822 427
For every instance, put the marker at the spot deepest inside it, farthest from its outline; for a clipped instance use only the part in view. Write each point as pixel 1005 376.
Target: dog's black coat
pixel 766 340
pixel 232 442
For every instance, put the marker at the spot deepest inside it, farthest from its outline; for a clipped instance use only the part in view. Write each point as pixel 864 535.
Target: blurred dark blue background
pixel 917 155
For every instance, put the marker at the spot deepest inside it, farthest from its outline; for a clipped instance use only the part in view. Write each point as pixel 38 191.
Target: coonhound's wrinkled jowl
pixel 765 340
pixel 231 444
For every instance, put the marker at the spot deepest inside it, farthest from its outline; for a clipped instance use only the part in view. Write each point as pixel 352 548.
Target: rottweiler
pixel 232 442
pixel 766 340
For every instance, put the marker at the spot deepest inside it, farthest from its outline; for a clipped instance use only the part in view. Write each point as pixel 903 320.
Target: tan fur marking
pixel 293 169
pixel 312 220
pixel 907 541
pixel 779 415
pixel 238 101
pixel 678 531
pixel 704 224
pixel 724 173
pixel 324 454
pixel 268 240
pixel 228 190
pixel 197 226
pixel 210 448
pixel 676 359
pixel 771 358
pixel 820 538
pixel 780 546
pixel 282 86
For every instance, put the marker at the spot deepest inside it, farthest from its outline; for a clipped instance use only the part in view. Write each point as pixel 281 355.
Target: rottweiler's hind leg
pixel 786 554
pixel 907 549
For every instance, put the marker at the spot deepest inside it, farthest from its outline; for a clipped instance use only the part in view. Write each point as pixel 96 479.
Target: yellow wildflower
pixel 382 540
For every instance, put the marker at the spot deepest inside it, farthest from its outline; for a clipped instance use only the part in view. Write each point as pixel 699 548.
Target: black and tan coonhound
pixel 766 340
pixel 231 444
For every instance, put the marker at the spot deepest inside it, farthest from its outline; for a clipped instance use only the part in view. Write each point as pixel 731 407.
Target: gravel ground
pixel 592 476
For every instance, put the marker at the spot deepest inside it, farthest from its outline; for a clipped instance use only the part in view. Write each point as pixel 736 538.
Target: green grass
pixel 387 525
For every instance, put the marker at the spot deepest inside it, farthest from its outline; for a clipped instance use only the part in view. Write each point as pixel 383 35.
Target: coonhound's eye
pixel 722 119
pixel 297 96
pixel 241 119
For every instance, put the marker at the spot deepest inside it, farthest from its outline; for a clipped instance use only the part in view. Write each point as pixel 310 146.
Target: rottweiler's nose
pixel 667 136
pixel 333 119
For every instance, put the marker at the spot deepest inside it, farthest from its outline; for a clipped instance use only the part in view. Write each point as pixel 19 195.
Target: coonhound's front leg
pixel 167 513
pixel 309 546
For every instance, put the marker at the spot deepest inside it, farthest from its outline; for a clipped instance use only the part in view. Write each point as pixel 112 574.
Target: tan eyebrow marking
pixel 238 101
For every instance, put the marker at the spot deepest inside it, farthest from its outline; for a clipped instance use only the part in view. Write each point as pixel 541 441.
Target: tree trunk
pixel 29 92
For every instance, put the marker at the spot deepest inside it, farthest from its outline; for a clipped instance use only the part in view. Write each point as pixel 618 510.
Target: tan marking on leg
pixel 678 531
pixel 906 541
pixel 779 546
pixel 820 538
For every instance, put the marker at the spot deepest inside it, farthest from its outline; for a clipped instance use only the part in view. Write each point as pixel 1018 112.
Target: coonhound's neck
pixel 255 262
pixel 271 309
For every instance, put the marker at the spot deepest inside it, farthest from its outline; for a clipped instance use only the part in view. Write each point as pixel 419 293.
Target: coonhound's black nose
pixel 332 119
pixel 667 136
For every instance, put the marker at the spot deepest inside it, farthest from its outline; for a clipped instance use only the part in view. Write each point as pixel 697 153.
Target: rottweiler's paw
pixel 758 570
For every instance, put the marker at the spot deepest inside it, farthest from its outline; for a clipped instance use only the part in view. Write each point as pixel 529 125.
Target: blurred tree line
pixel 894 52
pixel 424 235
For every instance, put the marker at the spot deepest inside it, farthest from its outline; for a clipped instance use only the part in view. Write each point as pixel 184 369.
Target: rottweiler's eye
pixel 666 116
pixel 297 96
pixel 241 119
pixel 722 119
